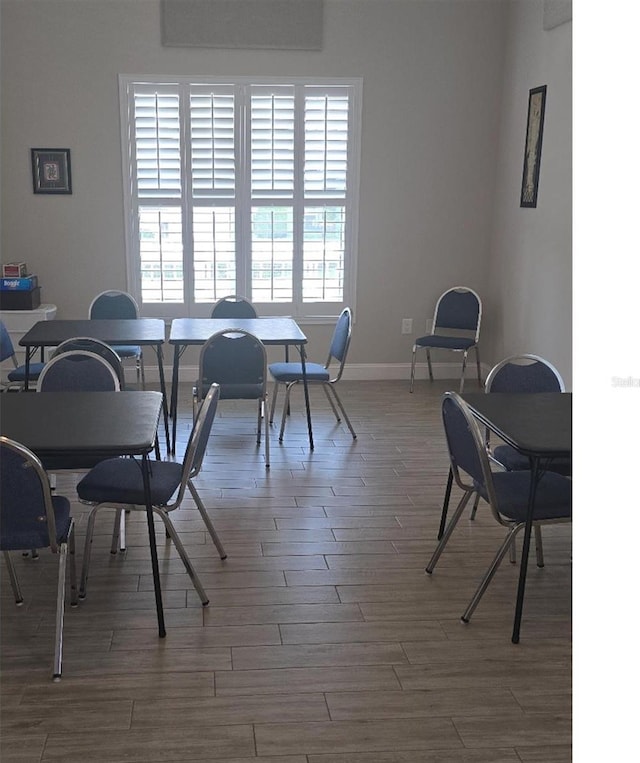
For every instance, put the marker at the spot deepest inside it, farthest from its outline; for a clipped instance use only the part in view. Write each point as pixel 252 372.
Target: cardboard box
pixel 14 270
pixel 20 300
pixel 19 284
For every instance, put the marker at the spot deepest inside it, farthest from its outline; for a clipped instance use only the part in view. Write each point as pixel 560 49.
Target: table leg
pixel 174 396
pixel 152 545
pixel 526 544
pixel 303 359
pixel 163 389
pixel 27 358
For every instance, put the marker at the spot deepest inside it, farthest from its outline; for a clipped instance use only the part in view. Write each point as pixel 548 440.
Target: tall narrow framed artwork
pixel 533 147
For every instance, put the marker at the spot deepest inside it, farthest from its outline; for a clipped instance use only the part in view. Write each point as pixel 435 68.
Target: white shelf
pixel 18 322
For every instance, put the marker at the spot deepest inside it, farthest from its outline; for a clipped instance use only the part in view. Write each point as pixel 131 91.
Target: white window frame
pixel 306 312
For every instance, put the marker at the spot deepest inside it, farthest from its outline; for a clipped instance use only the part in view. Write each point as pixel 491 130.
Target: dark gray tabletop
pixel 536 424
pixel 268 330
pixel 139 331
pixel 71 423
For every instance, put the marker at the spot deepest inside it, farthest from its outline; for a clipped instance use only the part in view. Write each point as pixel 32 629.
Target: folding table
pixel 104 424
pixel 537 425
pixel 145 332
pixel 187 332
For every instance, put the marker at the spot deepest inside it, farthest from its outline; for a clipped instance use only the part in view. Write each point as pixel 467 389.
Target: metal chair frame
pixel 73 356
pixel 469 487
pixel 555 384
pixel 191 467
pixel 64 546
pixel 338 350
pixel 7 352
pixel 103 305
pixel 233 306
pixel 253 351
pixel 98 347
pixel 444 319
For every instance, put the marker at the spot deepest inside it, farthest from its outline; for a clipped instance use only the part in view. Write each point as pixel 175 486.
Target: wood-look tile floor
pixel 325 641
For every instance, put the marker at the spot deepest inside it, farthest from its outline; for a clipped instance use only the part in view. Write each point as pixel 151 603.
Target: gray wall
pixel 441 156
pixel 529 292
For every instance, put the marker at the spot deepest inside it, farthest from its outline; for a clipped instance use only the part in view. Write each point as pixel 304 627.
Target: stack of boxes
pixel 18 289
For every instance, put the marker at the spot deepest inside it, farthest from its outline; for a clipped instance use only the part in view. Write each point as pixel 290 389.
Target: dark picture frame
pixel 51 169
pixel 533 147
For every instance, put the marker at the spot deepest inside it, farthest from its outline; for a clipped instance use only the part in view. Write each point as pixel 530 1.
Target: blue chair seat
pixel 18 374
pixel 513 461
pixel 127 350
pixel 239 391
pixel 38 537
pixel 553 495
pixel 447 342
pixel 119 480
pixel 290 372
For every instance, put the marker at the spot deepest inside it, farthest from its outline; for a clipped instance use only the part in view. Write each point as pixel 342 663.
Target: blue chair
pixel 290 374
pixel 507 493
pixel 233 307
pixel 456 326
pixel 30 517
pixel 118 483
pixel 114 304
pixel 96 346
pixel 524 373
pixel 78 370
pixel 15 377
pixel 237 361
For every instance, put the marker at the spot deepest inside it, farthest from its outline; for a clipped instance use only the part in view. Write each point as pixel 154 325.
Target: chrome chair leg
pixel 171 530
pixel 478 366
pixel 119 538
pixel 276 387
pixel 284 411
pixel 429 364
pixel 413 367
pixel 488 577
pixel 86 556
pixel 141 370
pixel 262 416
pixel 325 387
pixel 65 552
pixel 475 506
pixel 344 413
pixel 447 533
pixel 207 520
pixel 73 579
pixel 13 578
pixel 464 366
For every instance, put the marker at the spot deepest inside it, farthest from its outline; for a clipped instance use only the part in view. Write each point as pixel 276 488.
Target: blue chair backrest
pixel 341 336
pixel 233 307
pixel 462 438
pixel 6 345
pixel 237 361
pixel 199 436
pixel 96 346
pixel 457 308
pixel 25 521
pixel 524 373
pixel 78 370
pixel 113 304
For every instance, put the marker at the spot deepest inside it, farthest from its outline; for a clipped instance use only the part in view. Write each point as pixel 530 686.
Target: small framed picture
pixel 51 168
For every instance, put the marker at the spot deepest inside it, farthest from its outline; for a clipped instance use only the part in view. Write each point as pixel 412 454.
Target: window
pixel 247 187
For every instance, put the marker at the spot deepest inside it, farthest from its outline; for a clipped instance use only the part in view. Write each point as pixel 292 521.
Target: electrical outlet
pixel 407 326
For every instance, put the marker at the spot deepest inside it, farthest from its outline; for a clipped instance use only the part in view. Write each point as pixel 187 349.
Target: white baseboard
pixel 352 372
